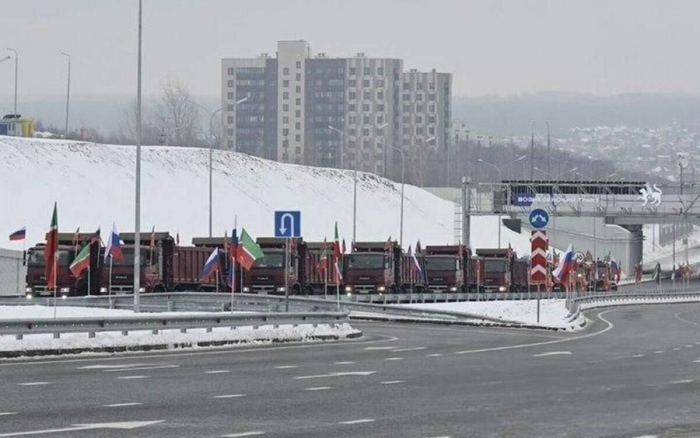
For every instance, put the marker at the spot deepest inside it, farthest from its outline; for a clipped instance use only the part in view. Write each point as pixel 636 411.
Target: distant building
pixel 15 125
pixel 288 104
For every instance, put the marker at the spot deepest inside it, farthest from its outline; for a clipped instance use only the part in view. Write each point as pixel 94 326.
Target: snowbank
pixel 553 312
pixel 166 339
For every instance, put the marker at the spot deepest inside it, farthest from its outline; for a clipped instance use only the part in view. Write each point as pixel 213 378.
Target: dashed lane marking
pixel 5 414
pixel 552 353
pixel 217 372
pixel 121 405
pixel 286 367
pixel 345 363
pixel 343 374
pixel 230 396
pixel 132 377
pixel 677 382
pixel 393 358
pixel 156 367
pixel 434 355
pixel 242 434
pixel 659 352
pixel 34 383
pixel 318 388
pixel 392 382
pixel 360 421
pixel 381 348
pixel 399 350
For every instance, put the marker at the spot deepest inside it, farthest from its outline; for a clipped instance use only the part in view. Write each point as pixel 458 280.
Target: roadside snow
pixel 553 312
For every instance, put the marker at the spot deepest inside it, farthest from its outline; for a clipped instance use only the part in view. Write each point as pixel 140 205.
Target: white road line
pixel 344 374
pixel 230 396
pixel 5 414
pixel 392 382
pixel 553 353
pixel 363 420
pixel 676 349
pixel 637 356
pixel 689 346
pixel 659 352
pixel 676 382
pixel 287 367
pixel 318 388
pixel 132 377
pixel 34 383
pixel 121 405
pixel 398 350
pixel 217 371
pixel 380 348
pixel 155 367
pixel 443 436
pixel 393 358
pixel 434 355
pixel 106 367
pixel 344 363
pixel 234 435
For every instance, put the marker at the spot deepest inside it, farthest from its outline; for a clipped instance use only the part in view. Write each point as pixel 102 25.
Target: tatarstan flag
pixel 323 258
pixel 338 255
pixel 51 250
pixel 248 251
pixel 81 262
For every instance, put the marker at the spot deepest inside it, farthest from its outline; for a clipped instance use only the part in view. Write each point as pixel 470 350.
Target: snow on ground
pixel 553 312
pixel 94 186
pixel 172 338
pixel 654 252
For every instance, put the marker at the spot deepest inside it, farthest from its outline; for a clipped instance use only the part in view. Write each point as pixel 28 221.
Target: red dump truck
pixel 380 267
pixel 500 271
pixel 316 279
pixel 447 268
pixel 267 276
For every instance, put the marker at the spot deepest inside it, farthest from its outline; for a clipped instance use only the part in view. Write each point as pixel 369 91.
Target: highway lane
pixel 633 373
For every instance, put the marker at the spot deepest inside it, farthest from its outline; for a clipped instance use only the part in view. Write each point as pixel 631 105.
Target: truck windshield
pixel 441 264
pixel 494 266
pixel 35 257
pixel 271 260
pixel 128 259
pixel 366 261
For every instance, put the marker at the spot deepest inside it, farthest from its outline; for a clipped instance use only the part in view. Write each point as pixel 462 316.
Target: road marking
pixel 381 348
pixel 105 367
pixel 121 405
pixel 344 363
pixel 408 349
pixel 392 382
pixel 552 353
pixel 434 355
pixel 318 388
pixel 155 367
pixel 637 356
pixel 393 358
pixel 34 383
pixel 234 435
pixel 132 377
pixel 659 352
pixel 217 371
pixel 125 425
pixel 230 396
pixel 287 367
pixel 443 436
pixel 557 341
pixel 676 349
pixel 363 420
pixel 689 346
pixel 676 382
pixel 344 374
pixel 5 414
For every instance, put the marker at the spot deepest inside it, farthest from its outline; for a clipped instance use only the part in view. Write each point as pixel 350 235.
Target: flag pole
pixel 217 279
pixel 88 279
pixel 55 280
pixel 109 292
pixel 325 278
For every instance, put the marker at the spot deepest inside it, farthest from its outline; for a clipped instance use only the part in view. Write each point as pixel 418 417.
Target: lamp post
pixel 403 180
pixel 354 180
pixel 549 150
pixel 211 158
pixel 532 152
pixel 499 169
pixel 67 93
pixel 16 76
pixel 137 221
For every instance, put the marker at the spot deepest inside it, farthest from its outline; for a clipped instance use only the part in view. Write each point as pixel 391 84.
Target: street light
pixel 211 158
pixel 499 169
pixel 67 93
pixel 137 221
pixel 16 74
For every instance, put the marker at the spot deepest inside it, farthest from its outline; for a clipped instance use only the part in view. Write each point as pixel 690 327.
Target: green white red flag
pixel 51 250
pixel 248 251
pixel 338 256
pixel 81 262
pixel 323 259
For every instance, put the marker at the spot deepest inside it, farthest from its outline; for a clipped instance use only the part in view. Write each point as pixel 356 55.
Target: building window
pixel 285 132
pixel 297 125
pixel 380 120
pixel 229 107
pixel 366 70
pixel 406 96
pixel 365 132
pixel 365 95
pixel 298 76
pixel 431 130
pixel 432 86
pixel 285 107
pixel 353 71
pixel 380 107
pixel 229 95
pixel 230 71
pixel 419 130
pixel 285 71
pixel 419 85
pixel 365 119
pixel 431 96
pixel 431 108
pixel 380 95
pixel 298 100
pixel 298 64
pixel 285 83
pixel 352 132
pixel 380 83
pixel 419 119
pixel 365 107
pixel 230 83
pixel 431 119
pixel 230 144
pixel 285 143
pixel 365 83
pixel 352 95
pixel 419 108
pixel 298 89
pixel 406 86
pixel 352 107
pixel 380 71
pixel 230 119
pixel 297 138
pixel 298 113
pixel 285 95
pixel 285 119
pixel 352 83
pixel 419 96
pixel 229 131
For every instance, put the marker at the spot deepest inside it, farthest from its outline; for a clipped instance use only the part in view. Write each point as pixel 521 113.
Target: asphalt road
pixel 634 373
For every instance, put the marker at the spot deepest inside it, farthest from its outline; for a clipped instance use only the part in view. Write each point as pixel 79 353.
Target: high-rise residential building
pixel 354 112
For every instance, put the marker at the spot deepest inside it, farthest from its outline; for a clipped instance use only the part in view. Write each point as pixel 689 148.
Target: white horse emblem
pixel 650 195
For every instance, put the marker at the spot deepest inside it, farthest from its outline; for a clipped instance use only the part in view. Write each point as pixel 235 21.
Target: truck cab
pixel 36 284
pixel 270 273
pixel 496 269
pixel 446 268
pixel 119 278
pixel 372 268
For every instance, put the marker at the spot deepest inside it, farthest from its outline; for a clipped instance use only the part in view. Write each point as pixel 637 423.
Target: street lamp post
pixel 67 92
pixel 16 76
pixel 499 169
pixel 354 180
pixel 403 180
pixel 137 221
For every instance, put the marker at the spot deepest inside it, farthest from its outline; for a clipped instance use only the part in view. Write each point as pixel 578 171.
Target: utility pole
pixel 549 151
pixel 532 153
pixel 466 211
pixel 16 79
pixel 67 93
pixel 137 221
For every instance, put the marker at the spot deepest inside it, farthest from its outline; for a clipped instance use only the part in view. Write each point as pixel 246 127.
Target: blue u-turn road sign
pixel 539 218
pixel 287 224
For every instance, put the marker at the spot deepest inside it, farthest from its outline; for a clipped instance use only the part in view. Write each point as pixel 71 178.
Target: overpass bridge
pixel 598 216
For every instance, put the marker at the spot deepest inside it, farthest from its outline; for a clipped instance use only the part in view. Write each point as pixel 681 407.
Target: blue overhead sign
pixel 539 218
pixel 523 199
pixel 287 224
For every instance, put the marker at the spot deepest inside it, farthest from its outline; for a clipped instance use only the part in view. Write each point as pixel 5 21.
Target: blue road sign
pixel 539 218
pixel 287 224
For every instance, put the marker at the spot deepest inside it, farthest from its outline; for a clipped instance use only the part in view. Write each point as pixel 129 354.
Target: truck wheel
pixel 296 290
pixel 309 290
pixel 393 289
pixel 159 288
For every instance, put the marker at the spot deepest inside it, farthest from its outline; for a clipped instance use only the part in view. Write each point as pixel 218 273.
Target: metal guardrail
pixel 601 300
pixel 155 323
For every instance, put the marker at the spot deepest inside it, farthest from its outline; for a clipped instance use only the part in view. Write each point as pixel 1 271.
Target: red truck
pixel 267 276
pixel 380 267
pixel 315 281
pixel 500 271
pixel 447 268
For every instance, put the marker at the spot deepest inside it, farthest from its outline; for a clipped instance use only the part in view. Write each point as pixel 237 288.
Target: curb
pixel 455 322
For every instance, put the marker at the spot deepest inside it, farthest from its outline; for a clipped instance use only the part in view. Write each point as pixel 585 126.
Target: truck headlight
pixel 501 288
pixel 27 290
pixel 348 288
pixel 246 289
pixel 453 289
pixel 142 289
pixel 64 297
pixel 103 290
pixel 29 296
pixel 280 289
pixel 65 290
pixel 349 294
pixel 381 288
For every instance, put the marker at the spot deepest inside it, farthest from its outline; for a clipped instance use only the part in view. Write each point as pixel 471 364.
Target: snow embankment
pixel 553 312
pixel 43 344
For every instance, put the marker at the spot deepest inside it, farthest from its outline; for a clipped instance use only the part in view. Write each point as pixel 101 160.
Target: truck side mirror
pixel 24 258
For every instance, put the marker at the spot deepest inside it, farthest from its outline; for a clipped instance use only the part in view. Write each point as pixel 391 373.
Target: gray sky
pixel 506 46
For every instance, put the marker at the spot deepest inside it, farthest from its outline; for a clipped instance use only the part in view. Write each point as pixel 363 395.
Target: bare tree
pixel 150 134
pixel 176 115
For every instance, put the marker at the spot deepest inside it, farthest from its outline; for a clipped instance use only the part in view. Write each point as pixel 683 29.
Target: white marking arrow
pixel 349 373
pixel 124 425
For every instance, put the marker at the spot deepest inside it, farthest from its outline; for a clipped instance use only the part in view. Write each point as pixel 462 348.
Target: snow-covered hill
pixel 94 186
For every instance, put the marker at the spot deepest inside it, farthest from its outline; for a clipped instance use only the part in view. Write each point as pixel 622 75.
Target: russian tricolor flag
pixel 20 234
pixel 566 265
pixel 211 266
pixel 114 245
pixel 415 265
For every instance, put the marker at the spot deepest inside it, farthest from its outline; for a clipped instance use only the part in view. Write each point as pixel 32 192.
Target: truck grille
pixel 364 289
pixel 263 289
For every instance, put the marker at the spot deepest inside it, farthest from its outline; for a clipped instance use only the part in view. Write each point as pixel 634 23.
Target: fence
pixel 12 272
